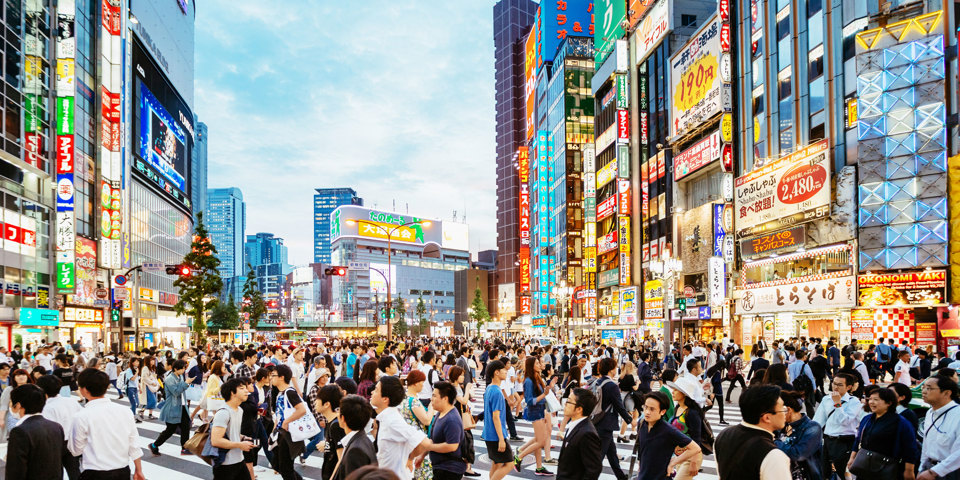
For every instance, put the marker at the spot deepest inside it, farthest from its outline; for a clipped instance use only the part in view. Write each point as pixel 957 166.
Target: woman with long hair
pixel 212 400
pixel 415 415
pixel 628 389
pixel 17 378
pixel 131 384
pixel 716 375
pixel 534 395
pixel 448 363
pixel 368 379
pixel 776 374
pixel 149 385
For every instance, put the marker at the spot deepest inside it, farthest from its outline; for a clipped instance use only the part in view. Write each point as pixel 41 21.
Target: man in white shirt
pixel 45 359
pixel 840 416
pixel 429 369
pixel 60 410
pixel 687 356
pixel 940 456
pixel 106 451
pixel 861 368
pixel 901 372
pixel 398 442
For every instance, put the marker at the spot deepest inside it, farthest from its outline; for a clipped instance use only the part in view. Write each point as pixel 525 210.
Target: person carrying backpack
pixel 801 376
pixel 609 407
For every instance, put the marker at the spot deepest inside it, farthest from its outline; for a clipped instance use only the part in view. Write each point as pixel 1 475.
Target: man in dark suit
pixel 580 455
pixel 37 447
pixel 612 406
pixel 358 450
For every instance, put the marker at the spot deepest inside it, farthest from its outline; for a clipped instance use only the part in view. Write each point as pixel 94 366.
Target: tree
pixel 400 328
pixel 198 289
pixel 478 309
pixel 421 312
pixel 399 309
pixel 224 316
pixel 253 304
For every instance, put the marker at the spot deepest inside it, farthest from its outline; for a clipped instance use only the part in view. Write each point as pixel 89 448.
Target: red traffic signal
pixel 335 271
pixel 181 270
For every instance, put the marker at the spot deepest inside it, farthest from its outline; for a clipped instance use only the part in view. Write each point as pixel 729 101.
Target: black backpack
pixel 802 383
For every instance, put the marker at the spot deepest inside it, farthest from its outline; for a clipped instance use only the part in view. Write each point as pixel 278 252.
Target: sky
pixel 394 99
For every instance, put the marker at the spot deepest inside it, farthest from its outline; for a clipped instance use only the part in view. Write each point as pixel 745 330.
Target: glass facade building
pixel 226 220
pixel 325 201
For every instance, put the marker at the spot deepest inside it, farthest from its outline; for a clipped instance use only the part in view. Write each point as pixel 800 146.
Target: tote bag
pixel 303 428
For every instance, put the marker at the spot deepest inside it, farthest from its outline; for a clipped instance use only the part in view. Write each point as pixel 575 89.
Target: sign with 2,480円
pixel 697 87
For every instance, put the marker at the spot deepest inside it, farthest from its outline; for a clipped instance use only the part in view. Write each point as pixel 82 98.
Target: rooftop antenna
pixel 454 216
pixel 408 208
pixel 394 204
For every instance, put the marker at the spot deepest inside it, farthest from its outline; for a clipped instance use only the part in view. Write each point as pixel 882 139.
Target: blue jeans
pixel 151 400
pixel 114 383
pixel 132 395
pixel 312 445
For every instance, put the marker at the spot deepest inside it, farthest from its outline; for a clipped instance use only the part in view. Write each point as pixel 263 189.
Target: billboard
pixel 791 190
pixel 697 156
pixel 355 221
pixel 905 288
pixel 654 27
pixel 558 20
pixel 840 292
pixel 697 88
pixel 378 278
pixel 163 130
pixel 523 160
pixel 610 15
pixel 529 75
pixel 86 272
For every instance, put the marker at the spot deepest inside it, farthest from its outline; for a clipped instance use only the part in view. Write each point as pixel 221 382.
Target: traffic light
pixel 182 270
pixel 115 311
pixel 682 304
pixel 335 271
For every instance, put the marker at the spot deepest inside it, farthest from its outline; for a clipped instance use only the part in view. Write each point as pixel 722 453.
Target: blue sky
pixel 394 99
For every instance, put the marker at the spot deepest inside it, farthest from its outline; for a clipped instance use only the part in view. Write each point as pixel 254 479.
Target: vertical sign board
pixel 111 167
pixel 624 234
pixel 66 45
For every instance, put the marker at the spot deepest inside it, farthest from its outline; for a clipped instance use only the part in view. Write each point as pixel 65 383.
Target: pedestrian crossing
pixel 172 465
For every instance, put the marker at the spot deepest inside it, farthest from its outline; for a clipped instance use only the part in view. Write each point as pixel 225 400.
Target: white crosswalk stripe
pixel 172 465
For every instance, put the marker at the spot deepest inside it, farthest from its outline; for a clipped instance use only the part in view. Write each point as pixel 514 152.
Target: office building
pixel 268 256
pixel 199 170
pixel 325 201
pixel 226 220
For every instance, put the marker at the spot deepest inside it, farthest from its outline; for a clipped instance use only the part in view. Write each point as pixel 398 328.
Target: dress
pixel 425 472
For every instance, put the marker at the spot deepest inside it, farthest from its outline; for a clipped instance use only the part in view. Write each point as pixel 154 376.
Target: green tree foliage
pixel 400 327
pixel 478 309
pixel 421 313
pixel 198 290
pixel 253 304
pixel 400 310
pixel 224 316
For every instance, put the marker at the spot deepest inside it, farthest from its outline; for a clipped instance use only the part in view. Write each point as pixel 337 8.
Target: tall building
pixel 360 240
pixel 268 256
pixel 226 219
pixel 511 22
pixel 325 201
pixel 199 170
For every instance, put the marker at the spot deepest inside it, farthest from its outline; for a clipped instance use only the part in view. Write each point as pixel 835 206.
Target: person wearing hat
pixel 688 419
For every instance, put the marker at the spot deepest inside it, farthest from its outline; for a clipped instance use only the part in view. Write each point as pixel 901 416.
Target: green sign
pixel 622 99
pixel 31 113
pixel 39 317
pixel 608 278
pixel 623 160
pixel 610 15
pixel 335 225
pixel 65 116
pixel 65 276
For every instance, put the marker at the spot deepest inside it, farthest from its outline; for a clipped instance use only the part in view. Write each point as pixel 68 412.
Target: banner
pixel 908 288
pixel 697 156
pixel 861 326
pixel 654 27
pixel 697 88
pixel 811 295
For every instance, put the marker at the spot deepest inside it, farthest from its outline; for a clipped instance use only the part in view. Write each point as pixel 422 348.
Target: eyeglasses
pixel 928 388
pixel 775 412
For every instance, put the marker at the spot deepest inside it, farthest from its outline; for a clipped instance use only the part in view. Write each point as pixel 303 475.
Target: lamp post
pixel 563 292
pixel 389 234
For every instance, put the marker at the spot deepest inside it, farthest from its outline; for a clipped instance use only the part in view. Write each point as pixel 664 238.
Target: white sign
pixel 831 293
pixel 121 293
pixel 358 265
pixel 153 266
pixel 791 190
pixel 718 291
pixel 696 89
pixel 653 29
pixel 726 70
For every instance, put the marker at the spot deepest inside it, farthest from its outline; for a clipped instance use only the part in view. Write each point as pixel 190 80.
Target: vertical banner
pixel 66 45
pixel 624 235
pixel 111 134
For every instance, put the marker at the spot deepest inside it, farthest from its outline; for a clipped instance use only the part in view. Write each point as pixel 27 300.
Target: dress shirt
pixel 941 441
pixel 861 368
pixel 109 448
pixel 846 419
pixel 395 440
pixel 776 465
pixel 62 410
pixel 570 426
pixel 24 418
pixel 796 367
pixel 683 363
pixel 346 439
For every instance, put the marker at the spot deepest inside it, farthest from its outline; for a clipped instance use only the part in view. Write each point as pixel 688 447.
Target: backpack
pixel 706 435
pixel 733 371
pixel 802 383
pixel 596 387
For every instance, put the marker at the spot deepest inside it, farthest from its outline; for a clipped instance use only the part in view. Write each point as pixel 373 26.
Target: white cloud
pixel 396 101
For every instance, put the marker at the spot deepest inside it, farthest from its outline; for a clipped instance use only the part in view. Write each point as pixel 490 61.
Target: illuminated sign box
pixel 39 317
pixel 908 288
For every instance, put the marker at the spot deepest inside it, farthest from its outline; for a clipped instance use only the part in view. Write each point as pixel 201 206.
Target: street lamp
pixel 563 292
pixel 389 234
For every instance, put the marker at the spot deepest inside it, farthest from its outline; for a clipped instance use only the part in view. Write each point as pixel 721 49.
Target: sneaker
pixel 723 423
pixel 551 461
pixel 154 450
pixel 543 472
pixel 517 463
pixel 471 474
pixel 138 420
pixel 184 451
pixel 516 438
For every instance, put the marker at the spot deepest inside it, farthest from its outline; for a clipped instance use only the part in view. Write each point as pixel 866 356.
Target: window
pixel 688 20
pixel 816 95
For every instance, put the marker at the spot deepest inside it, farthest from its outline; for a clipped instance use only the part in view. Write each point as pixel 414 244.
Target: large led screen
pixel 163 130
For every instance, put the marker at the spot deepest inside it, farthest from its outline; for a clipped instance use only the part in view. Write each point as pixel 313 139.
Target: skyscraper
pixel 268 256
pixel 199 170
pixel 325 202
pixel 226 219
pixel 511 22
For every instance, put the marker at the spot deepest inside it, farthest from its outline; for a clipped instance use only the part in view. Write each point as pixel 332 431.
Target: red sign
pixel 523 160
pixel 31 149
pixel 110 114
pixel 524 164
pixel 725 37
pixel 697 156
pixel 17 234
pixel 724 9
pixel 524 269
pixel 64 153
pixel 726 157
pixel 623 197
pixel 111 17
pixel 606 207
pixel 524 305
pixel 623 125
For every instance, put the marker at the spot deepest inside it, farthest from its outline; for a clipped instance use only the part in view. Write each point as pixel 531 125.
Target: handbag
pixel 303 428
pixel 194 393
pixel 872 465
pixel 197 442
pixel 553 404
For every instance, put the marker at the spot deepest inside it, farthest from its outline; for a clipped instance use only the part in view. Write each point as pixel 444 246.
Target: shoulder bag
pixel 303 428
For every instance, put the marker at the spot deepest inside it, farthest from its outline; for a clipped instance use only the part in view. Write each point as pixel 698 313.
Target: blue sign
pixel 718 233
pixel 611 334
pixel 39 317
pixel 704 313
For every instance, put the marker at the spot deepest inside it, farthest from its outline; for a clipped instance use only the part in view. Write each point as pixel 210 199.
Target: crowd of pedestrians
pixel 811 410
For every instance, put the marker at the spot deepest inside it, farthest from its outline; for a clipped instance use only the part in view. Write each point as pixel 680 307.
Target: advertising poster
pixel 625 262
pixel 831 293
pixel 86 273
pixel 628 301
pixel 775 242
pixel 906 288
pixel 791 190
pixel 697 87
pixel 926 334
pixel 654 27
pixel 653 300
pixel 609 15
pixel 861 326
pixel 697 156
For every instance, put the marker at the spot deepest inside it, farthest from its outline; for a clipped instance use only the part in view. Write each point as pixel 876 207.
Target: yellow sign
pixel 756 129
pixel 953 190
pixel 381 230
pixel 695 82
pixel 607 173
pixel 726 128
pixel 852 112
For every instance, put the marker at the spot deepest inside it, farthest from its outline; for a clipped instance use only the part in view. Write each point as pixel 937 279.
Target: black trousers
pixel 733 381
pixel 118 474
pixel 511 423
pixel 235 471
pixel 608 450
pixel 183 426
pixel 446 475
pixel 72 465
pixel 283 461
pixel 836 454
